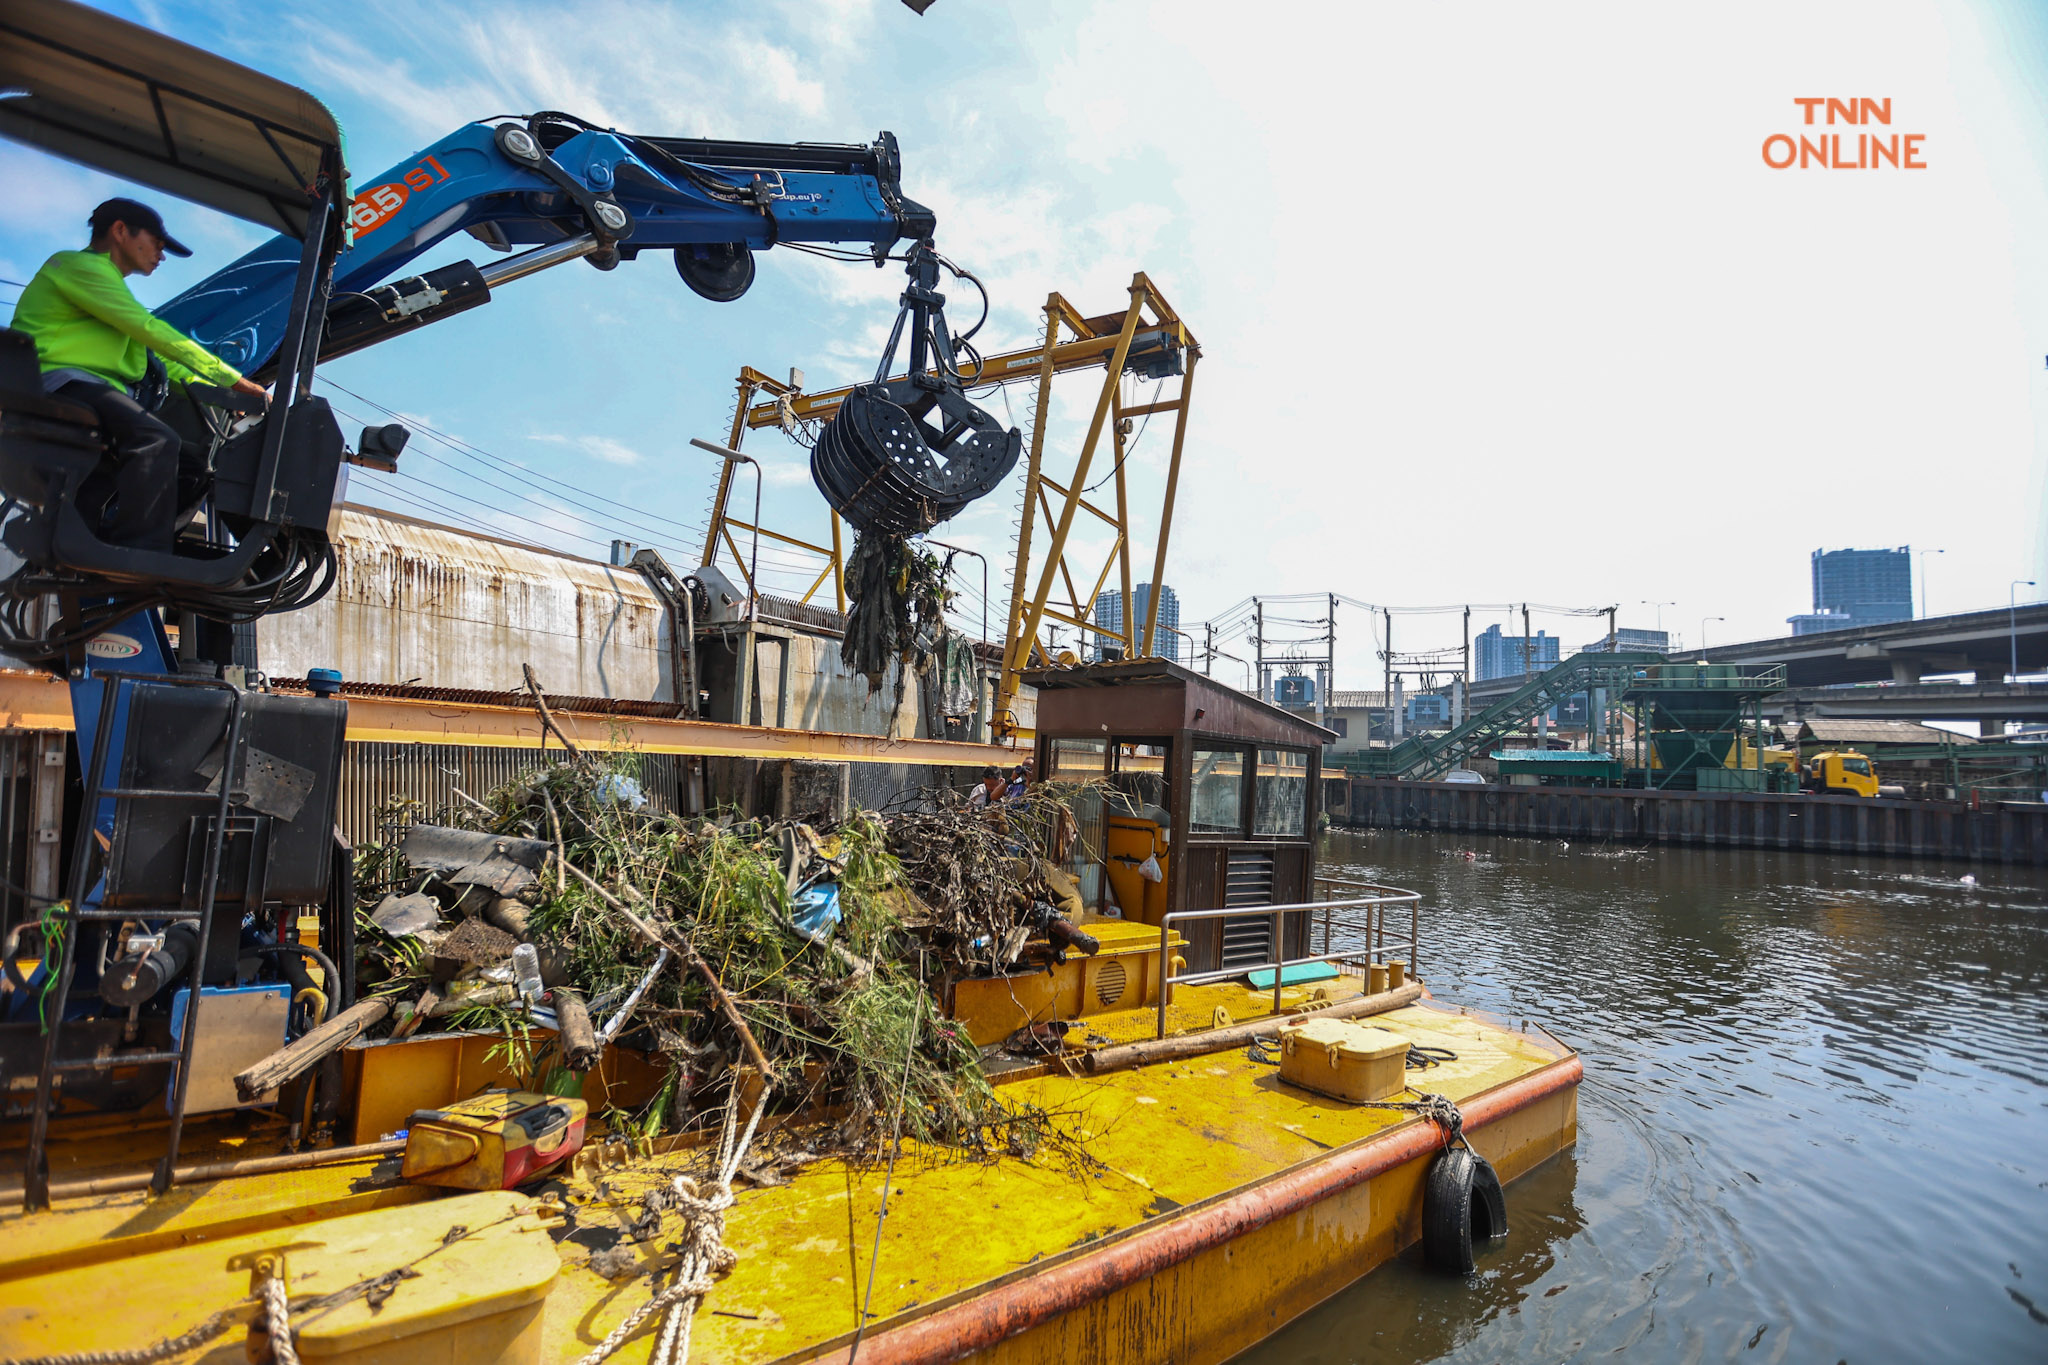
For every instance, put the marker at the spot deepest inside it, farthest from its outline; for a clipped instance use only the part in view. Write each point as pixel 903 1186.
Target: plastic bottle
pixel 526 971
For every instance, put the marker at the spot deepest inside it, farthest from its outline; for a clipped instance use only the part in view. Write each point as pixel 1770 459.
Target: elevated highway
pixel 1820 669
pixel 1978 642
pixel 1922 701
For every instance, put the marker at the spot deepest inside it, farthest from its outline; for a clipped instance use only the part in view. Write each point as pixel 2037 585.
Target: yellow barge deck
pixel 1213 1204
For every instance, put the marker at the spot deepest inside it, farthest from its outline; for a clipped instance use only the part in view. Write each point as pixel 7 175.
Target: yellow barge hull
pixel 1179 1211
pixel 1207 1282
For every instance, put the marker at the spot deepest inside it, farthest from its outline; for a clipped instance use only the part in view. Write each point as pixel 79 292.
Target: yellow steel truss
pixel 1053 490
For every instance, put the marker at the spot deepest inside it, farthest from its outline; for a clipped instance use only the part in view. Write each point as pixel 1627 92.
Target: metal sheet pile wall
pixel 413 602
pixel 2010 832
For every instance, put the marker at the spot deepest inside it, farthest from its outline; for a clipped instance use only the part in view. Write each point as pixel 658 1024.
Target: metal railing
pixel 1337 913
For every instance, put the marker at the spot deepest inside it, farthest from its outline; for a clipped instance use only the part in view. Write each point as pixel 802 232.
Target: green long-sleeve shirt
pixel 82 317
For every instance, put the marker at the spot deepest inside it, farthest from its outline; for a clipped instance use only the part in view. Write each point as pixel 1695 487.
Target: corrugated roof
pixel 1831 731
pixel 1355 700
pixel 1550 756
pixel 470 696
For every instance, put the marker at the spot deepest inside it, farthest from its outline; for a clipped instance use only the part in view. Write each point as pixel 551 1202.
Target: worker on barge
pixel 96 342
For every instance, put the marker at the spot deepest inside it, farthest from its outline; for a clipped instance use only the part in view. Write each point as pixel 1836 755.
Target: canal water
pixel 1814 1124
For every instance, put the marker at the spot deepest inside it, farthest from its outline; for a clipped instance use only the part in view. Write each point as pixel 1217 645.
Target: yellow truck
pixel 1839 772
pixel 1836 772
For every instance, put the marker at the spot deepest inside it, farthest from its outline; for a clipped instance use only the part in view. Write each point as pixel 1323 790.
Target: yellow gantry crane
pixel 1147 338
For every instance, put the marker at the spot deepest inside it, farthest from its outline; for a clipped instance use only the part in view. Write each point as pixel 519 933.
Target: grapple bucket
pixel 900 456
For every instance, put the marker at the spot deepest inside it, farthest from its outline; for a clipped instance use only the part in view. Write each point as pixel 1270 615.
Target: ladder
pixel 115 688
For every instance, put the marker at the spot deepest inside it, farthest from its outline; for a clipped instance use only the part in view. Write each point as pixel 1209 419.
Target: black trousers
pixel 144 508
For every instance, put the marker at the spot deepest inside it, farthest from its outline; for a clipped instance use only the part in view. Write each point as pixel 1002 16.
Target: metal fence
pixel 1359 920
pixel 376 777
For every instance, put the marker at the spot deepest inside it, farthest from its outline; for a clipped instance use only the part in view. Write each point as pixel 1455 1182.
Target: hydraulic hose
pixel 326 964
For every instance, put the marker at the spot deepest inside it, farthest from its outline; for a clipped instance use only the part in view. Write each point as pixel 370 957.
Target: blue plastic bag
pixel 817 912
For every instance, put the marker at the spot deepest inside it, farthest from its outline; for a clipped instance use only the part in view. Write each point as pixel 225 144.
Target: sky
pixel 1497 303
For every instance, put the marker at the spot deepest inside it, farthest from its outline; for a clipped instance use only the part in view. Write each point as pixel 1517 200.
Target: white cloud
pixel 1455 275
pixel 608 449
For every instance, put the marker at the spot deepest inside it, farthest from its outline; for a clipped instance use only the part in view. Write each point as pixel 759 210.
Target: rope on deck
pixel 1438 1109
pixel 274 1306
pixel 145 1355
pixel 704 1251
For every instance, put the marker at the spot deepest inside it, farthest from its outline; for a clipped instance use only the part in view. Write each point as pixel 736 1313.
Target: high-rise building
pixel 1495 655
pixel 1109 614
pixel 1858 588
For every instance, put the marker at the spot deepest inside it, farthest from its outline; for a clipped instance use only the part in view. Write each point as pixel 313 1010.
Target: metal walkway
pixel 1425 756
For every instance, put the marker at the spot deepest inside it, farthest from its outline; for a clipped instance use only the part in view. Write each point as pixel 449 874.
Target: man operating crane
pixel 95 342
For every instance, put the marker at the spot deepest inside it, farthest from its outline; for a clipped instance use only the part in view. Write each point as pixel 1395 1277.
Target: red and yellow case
pixel 494 1141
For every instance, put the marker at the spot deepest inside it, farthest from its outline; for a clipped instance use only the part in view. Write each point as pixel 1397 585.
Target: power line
pixel 470 448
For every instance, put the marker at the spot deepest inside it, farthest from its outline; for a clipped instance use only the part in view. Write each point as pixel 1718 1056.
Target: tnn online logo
pixel 1863 151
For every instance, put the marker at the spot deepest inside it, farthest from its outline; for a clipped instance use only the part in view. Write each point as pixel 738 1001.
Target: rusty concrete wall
pixel 415 602
pixel 826 695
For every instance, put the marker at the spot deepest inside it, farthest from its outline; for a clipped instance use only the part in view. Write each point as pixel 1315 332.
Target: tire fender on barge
pixel 1461 1202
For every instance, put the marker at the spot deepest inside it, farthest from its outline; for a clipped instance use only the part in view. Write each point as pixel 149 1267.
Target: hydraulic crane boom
pixel 566 190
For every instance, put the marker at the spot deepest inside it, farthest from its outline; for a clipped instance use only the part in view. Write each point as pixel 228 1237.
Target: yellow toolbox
pixel 1342 1059
pixel 494 1141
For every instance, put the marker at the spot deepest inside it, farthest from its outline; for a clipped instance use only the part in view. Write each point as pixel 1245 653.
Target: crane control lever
pixel 902 455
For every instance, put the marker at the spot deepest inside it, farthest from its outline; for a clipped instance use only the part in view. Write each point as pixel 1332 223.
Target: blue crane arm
pixel 553 182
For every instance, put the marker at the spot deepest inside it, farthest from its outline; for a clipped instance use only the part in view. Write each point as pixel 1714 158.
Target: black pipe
pixel 137 981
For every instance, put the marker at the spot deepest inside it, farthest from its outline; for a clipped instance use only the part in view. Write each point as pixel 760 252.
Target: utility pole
pixel 1259 645
pixel 1612 636
pixel 1387 679
pixel 1208 649
pixel 1329 670
pixel 1923 578
pixel 1528 641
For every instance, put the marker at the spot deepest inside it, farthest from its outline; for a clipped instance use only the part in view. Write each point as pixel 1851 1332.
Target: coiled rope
pixel 704 1251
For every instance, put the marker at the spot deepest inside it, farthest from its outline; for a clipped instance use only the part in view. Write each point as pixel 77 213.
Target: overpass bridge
pixel 1900 652
pixel 1820 668
pixel 1992 702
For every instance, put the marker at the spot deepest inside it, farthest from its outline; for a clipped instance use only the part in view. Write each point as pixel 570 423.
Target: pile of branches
pixel 989 879
pixel 696 923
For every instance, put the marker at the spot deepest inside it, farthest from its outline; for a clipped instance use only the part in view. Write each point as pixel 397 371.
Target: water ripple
pixel 1811 1123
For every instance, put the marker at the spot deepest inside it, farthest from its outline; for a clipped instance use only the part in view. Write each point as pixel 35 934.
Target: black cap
pixel 135 215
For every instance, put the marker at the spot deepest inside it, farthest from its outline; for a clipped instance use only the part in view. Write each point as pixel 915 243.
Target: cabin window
pixel 1141 775
pixel 1216 793
pixel 1281 793
pixel 1077 760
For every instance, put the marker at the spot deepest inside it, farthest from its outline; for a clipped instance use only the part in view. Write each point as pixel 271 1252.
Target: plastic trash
pixel 1149 869
pixel 621 790
pixel 817 912
pixel 405 916
pixel 526 969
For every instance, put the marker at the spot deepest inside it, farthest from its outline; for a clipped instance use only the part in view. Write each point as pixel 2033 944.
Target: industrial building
pixel 1109 614
pixel 1858 588
pixel 1495 655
